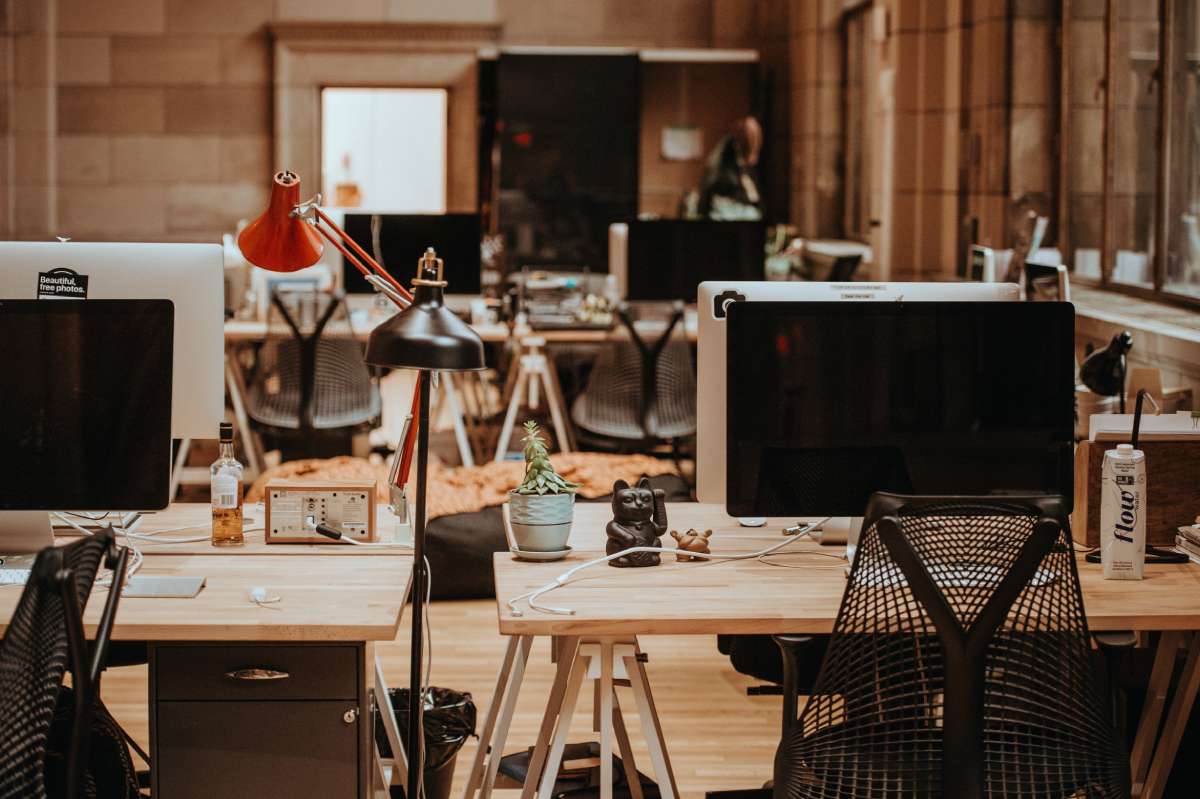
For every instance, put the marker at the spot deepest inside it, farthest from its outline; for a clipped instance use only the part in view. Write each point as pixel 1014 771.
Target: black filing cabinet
pixel 260 720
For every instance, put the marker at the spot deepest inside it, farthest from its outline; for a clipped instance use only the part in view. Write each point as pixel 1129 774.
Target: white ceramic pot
pixel 541 522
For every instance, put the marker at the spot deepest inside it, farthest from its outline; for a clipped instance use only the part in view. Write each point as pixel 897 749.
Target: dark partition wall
pixel 568 131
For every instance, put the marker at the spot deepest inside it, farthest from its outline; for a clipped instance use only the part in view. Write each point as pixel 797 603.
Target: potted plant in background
pixel 542 506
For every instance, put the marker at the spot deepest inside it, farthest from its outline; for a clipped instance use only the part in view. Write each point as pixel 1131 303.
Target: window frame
pixel 1165 77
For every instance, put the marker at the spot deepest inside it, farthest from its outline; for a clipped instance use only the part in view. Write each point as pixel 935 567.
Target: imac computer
pixel 86 411
pixel 714 300
pixel 666 259
pixel 190 275
pixel 404 237
pixel 830 402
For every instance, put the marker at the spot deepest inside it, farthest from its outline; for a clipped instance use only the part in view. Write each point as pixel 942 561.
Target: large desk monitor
pixel 403 238
pixel 829 402
pixel 190 275
pixel 667 259
pixel 86 410
pixel 714 300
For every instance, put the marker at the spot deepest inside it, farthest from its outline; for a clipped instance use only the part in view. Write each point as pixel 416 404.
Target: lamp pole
pixel 416 701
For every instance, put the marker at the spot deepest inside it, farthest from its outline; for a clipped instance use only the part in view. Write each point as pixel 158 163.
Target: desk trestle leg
pixel 607 661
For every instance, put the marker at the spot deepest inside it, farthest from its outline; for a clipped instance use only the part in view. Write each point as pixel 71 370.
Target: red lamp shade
pixel 277 240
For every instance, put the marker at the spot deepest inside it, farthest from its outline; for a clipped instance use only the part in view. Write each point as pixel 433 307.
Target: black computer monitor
pixel 829 402
pixel 668 258
pixel 404 237
pixel 85 413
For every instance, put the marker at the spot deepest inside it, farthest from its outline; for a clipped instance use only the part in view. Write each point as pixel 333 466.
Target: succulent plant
pixel 540 477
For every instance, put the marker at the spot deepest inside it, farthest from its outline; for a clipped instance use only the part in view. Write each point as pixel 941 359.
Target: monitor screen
pixel 86 405
pixel 829 402
pixel 404 237
pixel 669 258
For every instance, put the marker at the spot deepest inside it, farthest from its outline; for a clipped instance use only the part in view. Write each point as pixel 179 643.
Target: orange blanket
pixel 465 489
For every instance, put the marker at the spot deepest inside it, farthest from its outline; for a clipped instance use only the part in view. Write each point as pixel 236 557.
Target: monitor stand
pixel 837 531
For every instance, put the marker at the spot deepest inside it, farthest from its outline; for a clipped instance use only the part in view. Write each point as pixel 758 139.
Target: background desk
pixel 752 597
pixel 306 734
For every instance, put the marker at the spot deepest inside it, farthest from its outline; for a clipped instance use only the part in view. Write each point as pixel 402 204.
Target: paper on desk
pixel 1177 426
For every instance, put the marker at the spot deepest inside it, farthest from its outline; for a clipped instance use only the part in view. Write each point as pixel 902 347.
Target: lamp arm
pixel 371 266
pixel 409 444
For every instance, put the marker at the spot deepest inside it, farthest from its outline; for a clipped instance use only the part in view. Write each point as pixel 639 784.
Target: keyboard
pixel 14 576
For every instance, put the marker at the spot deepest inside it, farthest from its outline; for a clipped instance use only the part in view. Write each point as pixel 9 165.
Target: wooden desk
pixel 214 732
pixel 613 605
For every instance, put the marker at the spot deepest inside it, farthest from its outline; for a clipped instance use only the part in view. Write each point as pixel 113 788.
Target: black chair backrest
pixel 959 664
pixel 641 390
pixel 34 657
pixel 311 371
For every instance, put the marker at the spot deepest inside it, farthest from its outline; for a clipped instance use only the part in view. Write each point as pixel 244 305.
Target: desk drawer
pixel 224 672
pixel 256 750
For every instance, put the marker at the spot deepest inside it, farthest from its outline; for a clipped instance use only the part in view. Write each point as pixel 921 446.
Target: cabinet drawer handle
pixel 254 675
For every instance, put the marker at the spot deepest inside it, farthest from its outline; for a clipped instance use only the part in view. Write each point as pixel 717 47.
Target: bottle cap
pixel 1125 447
pixel 226 432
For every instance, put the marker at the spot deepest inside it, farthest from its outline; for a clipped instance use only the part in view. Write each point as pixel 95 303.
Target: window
pixel 384 149
pixel 1131 122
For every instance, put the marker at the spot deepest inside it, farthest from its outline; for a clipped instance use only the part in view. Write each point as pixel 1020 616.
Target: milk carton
pixel 1123 513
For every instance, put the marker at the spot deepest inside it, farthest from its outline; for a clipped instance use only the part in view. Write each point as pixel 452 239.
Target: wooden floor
pixel 717 736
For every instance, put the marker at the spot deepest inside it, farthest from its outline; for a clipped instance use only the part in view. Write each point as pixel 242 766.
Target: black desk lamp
pixel 1103 371
pixel 428 337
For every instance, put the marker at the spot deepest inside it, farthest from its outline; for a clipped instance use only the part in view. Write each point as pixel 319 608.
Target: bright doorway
pixel 384 149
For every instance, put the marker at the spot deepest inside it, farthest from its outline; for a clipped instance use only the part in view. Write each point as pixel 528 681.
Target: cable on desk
pixel 531 597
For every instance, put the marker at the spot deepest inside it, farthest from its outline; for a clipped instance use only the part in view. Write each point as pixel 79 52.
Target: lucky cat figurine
pixel 639 518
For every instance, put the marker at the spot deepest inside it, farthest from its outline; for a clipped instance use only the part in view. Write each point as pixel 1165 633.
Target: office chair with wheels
pixel 311 374
pixel 640 392
pixel 959 664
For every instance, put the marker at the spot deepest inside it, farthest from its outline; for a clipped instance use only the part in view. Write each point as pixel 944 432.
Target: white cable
pixel 531 597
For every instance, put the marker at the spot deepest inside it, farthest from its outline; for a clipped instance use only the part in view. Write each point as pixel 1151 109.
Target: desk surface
pixel 324 596
pixel 752 597
pixel 242 331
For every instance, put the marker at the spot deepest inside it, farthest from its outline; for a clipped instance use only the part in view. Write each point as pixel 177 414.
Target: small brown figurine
pixel 691 541
pixel 639 518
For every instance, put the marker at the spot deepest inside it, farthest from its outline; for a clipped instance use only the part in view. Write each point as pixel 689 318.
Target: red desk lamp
pixel 424 336
pixel 286 238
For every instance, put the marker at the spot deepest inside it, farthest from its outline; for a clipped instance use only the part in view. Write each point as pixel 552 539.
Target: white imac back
pixel 190 275
pixel 710 383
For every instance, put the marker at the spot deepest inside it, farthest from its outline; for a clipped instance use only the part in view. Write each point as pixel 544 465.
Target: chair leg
pixel 1173 727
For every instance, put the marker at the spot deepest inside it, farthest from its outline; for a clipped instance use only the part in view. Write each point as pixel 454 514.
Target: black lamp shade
pixel 426 335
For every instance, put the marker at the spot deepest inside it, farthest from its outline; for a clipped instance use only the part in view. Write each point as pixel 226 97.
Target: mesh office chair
pixel 959 664
pixel 311 374
pixel 44 637
pixel 640 392
pixel 83 558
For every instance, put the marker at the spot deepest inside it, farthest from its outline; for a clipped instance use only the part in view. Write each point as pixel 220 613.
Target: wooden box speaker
pixel 348 506
pixel 1173 498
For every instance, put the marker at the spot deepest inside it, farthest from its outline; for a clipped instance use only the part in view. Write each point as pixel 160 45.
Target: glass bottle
pixel 225 485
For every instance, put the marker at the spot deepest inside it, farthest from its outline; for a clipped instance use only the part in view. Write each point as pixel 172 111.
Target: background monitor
pixel 403 239
pixel 190 275
pixel 830 402
pixel 715 297
pixel 86 405
pixel 667 259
